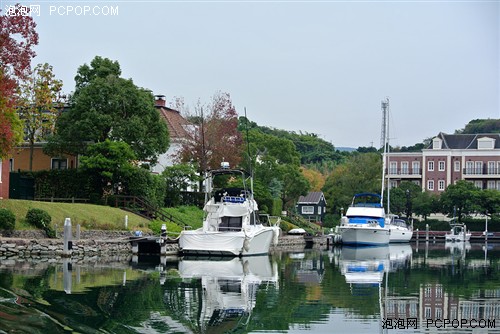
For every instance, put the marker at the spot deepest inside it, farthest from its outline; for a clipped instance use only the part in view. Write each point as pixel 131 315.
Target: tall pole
pixel 385 109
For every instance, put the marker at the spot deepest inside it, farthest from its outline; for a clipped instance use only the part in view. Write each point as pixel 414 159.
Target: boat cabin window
pixel 232 224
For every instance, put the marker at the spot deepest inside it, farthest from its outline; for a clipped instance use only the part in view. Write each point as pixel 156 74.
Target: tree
pixel 488 202
pixel 178 178
pixel 425 204
pixel 108 160
pixel 275 163
pixel 39 104
pixel 481 126
pixel 402 198
pixel 106 106
pixel 361 173
pixel 215 136
pixel 458 199
pixel 17 40
pixel 315 178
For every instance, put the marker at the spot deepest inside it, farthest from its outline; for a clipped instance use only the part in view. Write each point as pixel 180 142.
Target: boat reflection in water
pixel 229 288
pixel 364 266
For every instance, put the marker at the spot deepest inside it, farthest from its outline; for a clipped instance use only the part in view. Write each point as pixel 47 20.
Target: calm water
pixel 416 288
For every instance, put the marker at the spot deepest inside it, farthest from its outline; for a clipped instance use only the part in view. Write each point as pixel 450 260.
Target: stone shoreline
pixel 97 243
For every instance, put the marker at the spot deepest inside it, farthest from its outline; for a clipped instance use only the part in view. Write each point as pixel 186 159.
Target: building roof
pixel 314 197
pixel 177 125
pixel 465 141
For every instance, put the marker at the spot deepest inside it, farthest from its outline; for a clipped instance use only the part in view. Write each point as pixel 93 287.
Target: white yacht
pixel 231 224
pixel 364 222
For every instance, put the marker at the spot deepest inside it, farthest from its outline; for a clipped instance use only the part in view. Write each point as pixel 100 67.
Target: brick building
pixel 449 158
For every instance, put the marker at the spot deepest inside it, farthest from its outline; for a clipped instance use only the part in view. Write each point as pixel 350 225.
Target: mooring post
pixel 77 237
pixel 126 221
pixel 68 240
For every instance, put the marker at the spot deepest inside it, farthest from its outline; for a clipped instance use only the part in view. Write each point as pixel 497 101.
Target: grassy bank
pixel 89 216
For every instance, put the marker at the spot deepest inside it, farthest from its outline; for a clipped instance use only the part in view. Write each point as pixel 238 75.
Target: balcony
pixel 481 173
pixel 407 173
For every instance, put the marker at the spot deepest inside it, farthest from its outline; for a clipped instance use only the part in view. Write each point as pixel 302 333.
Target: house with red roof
pixel 178 129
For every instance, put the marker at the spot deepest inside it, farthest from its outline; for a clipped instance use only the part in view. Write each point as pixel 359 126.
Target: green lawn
pixel 89 216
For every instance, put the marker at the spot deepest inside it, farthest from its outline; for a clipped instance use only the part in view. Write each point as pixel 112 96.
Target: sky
pixel 319 67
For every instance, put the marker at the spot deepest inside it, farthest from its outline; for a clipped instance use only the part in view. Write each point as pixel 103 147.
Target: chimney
pixel 160 101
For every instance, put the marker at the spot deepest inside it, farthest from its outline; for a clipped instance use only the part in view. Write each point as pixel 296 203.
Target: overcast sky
pixel 320 67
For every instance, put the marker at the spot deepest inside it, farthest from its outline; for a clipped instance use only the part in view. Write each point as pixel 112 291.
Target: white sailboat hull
pixel 400 234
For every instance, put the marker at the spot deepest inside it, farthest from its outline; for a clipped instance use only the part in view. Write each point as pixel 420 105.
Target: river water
pixel 410 288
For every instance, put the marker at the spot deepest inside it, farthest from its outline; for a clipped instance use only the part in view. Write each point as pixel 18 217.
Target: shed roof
pixel 313 197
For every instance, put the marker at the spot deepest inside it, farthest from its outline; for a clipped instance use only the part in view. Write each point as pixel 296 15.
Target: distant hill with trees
pixel 481 126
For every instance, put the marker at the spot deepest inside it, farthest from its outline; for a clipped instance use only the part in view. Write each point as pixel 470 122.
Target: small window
pixel 441 185
pixel 308 210
pixel 430 166
pixel 456 166
pixel 441 166
pixel 478 184
pixel 59 163
pixel 430 185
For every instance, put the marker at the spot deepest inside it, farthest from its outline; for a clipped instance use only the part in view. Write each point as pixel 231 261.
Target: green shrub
pixel 7 220
pixel 40 219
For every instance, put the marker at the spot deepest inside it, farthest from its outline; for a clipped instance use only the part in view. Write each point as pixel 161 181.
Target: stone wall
pixel 93 243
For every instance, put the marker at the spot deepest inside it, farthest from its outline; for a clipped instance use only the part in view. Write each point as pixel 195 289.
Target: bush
pixel 7 220
pixel 40 219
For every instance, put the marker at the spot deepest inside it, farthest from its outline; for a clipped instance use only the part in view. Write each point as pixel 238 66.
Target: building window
pixel 319 210
pixel 393 184
pixel 430 185
pixel 11 165
pixel 492 168
pixel 404 168
pixel 59 163
pixel 415 168
pixel 478 168
pixel 441 165
pixel 393 168
pixel 308 210
pixel 469 167
pixel 456 167
pixel 478 184
pixel 430 166
pixel 441 185
pixel 492 184
pixel 417 182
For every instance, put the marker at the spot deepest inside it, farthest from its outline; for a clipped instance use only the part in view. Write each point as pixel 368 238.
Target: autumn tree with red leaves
pixel 214 135
pixel 17 39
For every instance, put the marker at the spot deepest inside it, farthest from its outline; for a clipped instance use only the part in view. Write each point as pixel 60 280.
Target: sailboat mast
pixel 385 136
